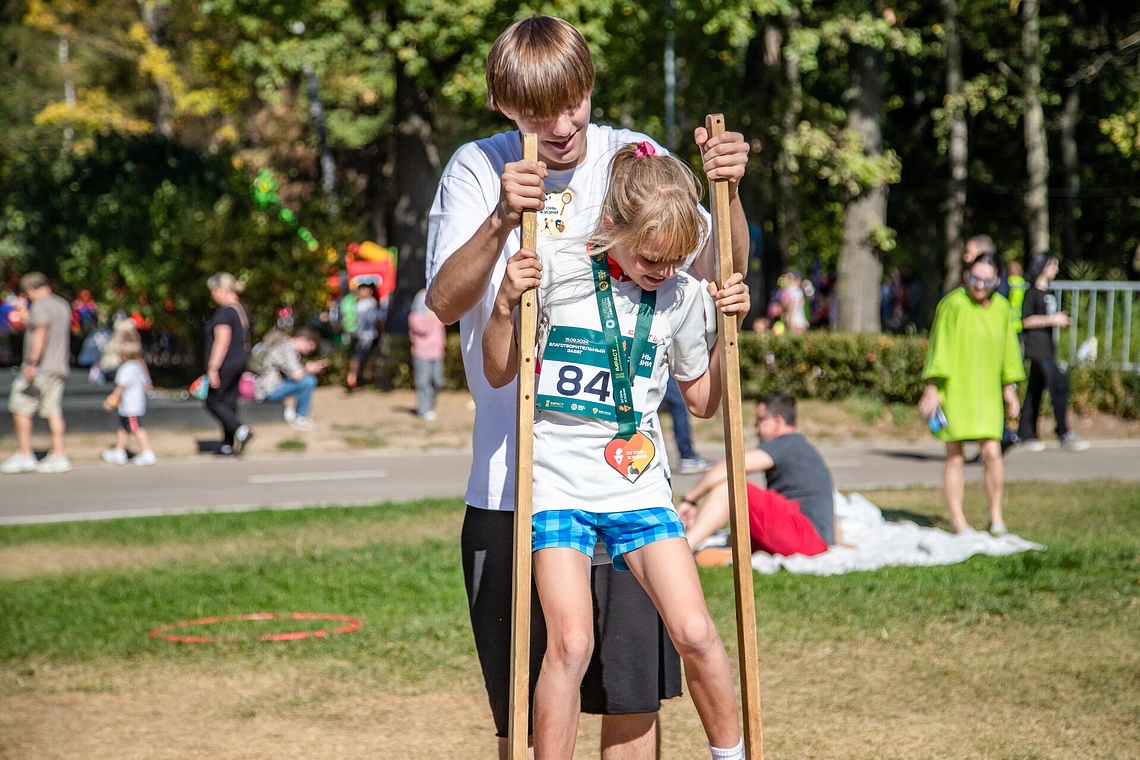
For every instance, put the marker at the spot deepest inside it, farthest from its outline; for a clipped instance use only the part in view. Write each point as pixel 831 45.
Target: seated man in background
pixel 795 514
pixel 281 373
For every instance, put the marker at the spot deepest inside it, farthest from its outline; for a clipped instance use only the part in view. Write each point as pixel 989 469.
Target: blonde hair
pixel 653 202
pixel 539 68
pixel 131 349
pixel 225 281
pixel 124 335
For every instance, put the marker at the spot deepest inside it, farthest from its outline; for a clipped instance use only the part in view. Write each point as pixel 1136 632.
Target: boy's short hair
pixel 539 68
pixel 781 405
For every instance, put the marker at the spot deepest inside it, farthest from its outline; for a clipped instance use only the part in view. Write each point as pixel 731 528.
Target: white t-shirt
pixel 467 194
pixel 573 374
pixel 134 379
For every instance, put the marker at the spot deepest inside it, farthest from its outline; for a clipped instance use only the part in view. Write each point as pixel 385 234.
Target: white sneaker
pixel 1073 442
pixel 144 459
pixel 20 463
pixel 429 415
pixel 301 422
pixel 693 466
pixel 290 414
pixel 115 456
pixel 1032 444
pixel 52 463
pixel 241 437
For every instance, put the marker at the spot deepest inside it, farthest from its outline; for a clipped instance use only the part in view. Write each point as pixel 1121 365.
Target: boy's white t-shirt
pixel 570 470
pixel 134 379
pixel 467 194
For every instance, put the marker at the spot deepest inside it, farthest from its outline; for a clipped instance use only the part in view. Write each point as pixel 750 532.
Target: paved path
pixel 94 490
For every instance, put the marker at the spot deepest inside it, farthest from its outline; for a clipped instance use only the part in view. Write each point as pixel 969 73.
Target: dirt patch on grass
pixel 952 695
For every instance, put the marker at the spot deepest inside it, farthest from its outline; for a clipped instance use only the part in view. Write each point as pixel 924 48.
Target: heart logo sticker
pixel 632 457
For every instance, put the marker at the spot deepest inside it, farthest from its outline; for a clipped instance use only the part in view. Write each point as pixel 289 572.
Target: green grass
pixel 398 570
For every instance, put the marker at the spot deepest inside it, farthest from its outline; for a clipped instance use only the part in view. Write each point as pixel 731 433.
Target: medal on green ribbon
pixel 631 451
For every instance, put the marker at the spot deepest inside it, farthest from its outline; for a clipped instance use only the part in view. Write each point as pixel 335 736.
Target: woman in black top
pixel 1039 316
pixel 227 351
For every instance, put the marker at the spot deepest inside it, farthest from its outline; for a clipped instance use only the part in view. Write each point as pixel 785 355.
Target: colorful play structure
pixel 367 262
pixel 364 262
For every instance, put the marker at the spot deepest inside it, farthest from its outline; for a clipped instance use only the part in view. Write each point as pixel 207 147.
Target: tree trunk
pixel 1070 242
pixel 958 151
pixel 415 178
pixel 791 227
pixel 860 269
pixel 1036 148
pixel 64 53
pixel 154 19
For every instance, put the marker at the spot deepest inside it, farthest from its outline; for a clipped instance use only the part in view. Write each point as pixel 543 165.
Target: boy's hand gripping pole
pixel 734 450
pixel 524 491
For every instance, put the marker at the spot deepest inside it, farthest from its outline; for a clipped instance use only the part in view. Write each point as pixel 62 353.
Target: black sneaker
pixel 1009 439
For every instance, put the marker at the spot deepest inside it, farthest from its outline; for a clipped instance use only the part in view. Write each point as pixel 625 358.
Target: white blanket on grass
pixel 878 543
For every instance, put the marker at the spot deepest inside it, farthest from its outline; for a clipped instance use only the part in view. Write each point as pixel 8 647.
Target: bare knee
pixel 696 635
pixel 991 455
pixel 571 649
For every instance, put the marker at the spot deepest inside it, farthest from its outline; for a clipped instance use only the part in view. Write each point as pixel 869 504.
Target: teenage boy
pixel 540 75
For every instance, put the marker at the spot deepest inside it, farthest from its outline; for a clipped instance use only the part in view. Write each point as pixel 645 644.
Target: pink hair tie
pixel 644 148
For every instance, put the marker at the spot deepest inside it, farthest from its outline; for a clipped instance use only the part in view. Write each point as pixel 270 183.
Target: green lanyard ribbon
pixel 623 369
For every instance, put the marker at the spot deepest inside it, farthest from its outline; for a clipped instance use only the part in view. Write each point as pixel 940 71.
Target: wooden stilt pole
pixel 524 474
pixel 737 490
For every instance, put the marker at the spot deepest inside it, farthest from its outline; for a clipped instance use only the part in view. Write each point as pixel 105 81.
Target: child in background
pixel 613 325
pixel 428 338
pixel 124 333
pixel 132 385
pixel 365 335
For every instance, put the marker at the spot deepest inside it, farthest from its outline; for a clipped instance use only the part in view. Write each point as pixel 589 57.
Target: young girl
pixel 612 326
pixel 132 384
pixel 429 339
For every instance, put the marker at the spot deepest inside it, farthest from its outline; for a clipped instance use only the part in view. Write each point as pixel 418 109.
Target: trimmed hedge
pixel 827 366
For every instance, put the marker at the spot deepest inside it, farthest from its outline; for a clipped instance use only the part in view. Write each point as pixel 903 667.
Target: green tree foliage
pixel 401 82
pixel 142 220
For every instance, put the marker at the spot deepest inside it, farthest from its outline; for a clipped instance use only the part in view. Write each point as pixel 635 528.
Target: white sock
pixel 736 753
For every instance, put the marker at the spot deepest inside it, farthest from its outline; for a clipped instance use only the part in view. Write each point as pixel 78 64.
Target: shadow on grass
pixel 901 515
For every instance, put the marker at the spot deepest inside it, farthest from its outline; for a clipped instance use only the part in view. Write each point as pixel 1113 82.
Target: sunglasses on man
pixel 989 283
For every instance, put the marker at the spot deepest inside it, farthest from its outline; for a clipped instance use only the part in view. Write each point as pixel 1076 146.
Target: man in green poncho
pixel 973 364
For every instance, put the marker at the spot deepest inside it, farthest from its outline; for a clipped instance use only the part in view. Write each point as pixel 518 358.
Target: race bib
pixel 575 375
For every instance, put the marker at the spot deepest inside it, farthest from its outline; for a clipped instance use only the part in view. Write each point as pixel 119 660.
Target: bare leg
pixel 57 428
pixel 954 485
pixel 994 477
pixel 121 437
pixel 23 424
pixel 562 576
pixel 712 515
pixel 630 737
pixel 505 749
pixel 353 370
pixel 143 438
pixel 667 571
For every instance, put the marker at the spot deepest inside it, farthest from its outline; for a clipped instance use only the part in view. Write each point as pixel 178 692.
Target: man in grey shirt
pixel 39 386
pixel 795 514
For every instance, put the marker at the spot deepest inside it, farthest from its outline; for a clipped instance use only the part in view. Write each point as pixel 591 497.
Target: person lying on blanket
pixel 794 515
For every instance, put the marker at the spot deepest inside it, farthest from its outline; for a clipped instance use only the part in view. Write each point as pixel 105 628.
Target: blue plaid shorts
pixel 620 532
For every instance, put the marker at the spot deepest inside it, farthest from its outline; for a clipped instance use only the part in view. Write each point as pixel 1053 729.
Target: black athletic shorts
pixel 634 665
